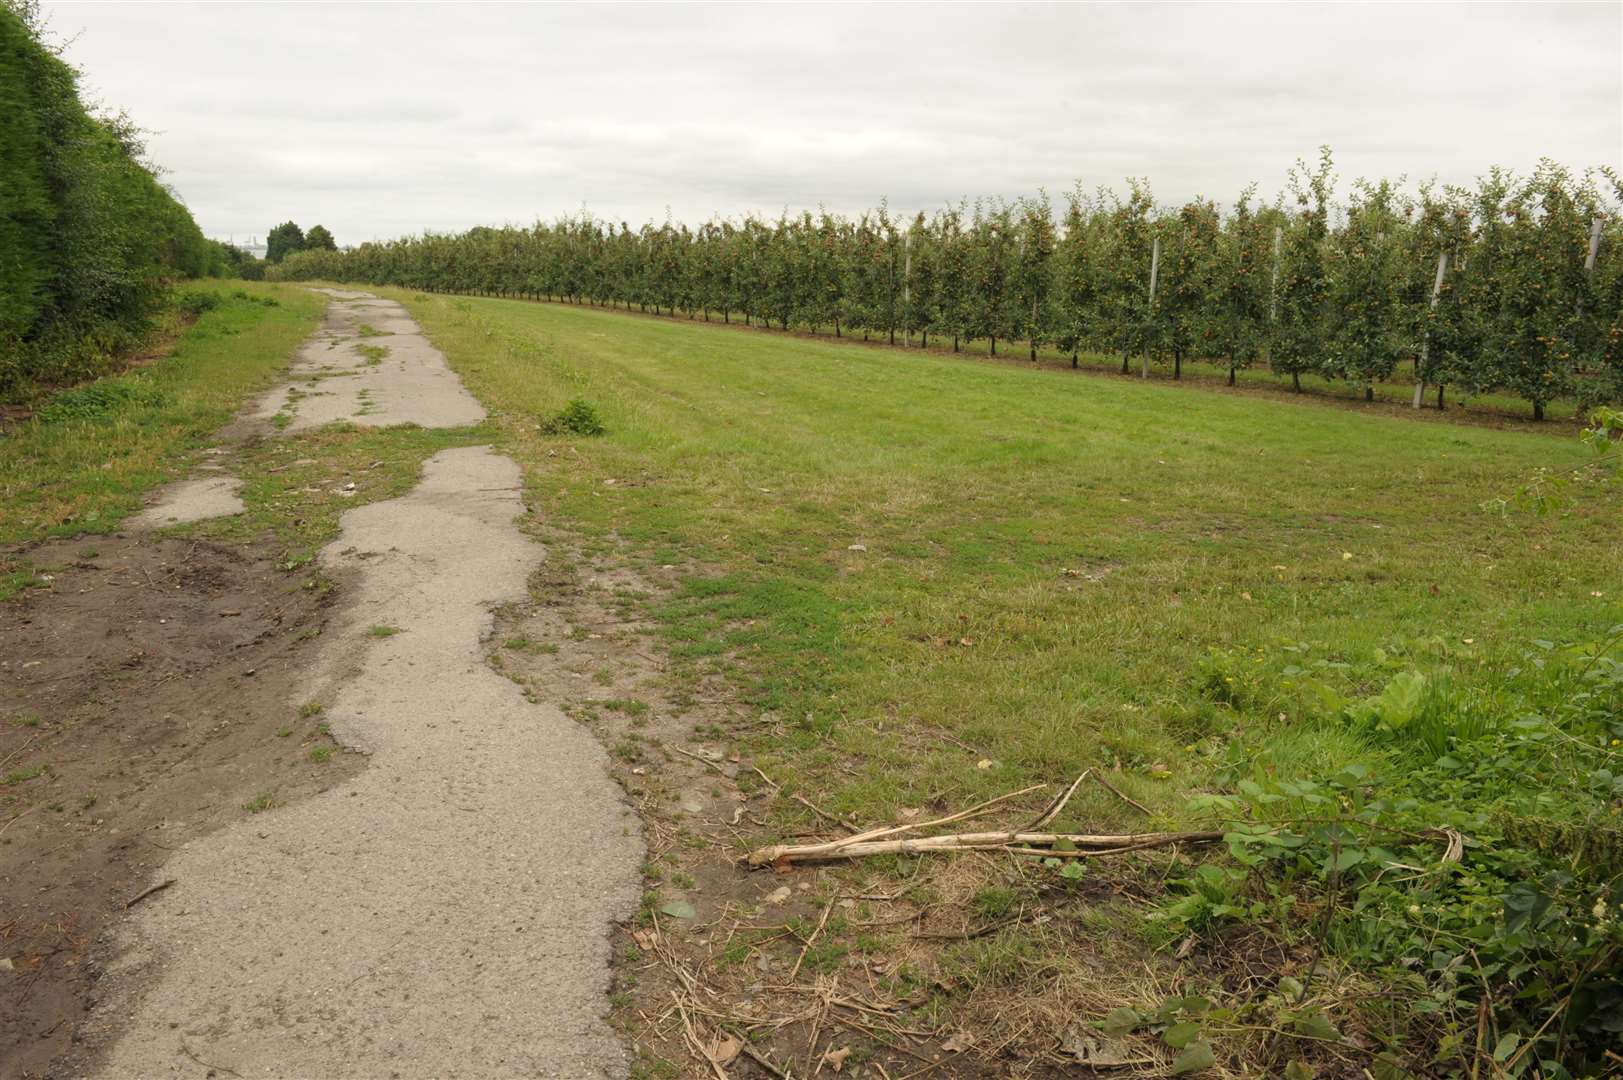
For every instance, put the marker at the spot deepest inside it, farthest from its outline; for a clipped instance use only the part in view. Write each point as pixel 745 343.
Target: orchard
pixel 1514 287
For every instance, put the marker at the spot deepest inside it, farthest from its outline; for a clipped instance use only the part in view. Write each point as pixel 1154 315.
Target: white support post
pixel 1589 263
pixel 907 288
pixel 1155 271
pixel 1273 284
pixel 1425 341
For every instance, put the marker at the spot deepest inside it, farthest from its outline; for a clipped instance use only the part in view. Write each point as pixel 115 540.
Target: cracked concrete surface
pixel 333 378
pixel 192 500
pixel 447 912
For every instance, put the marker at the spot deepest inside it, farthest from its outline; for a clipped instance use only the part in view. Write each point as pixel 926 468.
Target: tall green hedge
pixel 89 239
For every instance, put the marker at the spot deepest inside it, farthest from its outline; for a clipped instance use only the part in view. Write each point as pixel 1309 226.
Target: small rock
pixel 856 547
pixel 779 895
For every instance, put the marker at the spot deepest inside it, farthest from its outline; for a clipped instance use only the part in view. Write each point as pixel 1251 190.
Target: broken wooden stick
pixel 140 896
pixel 1031 840
pixel 1028 841
pixel 1079 845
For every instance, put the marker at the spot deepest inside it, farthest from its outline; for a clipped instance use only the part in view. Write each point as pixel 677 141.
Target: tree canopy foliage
pixel 319 239
pixel 1344 288
pixel 282 241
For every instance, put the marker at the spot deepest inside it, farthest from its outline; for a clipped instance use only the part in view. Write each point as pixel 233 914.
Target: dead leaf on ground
pixel 958 1043
pixel 723 1049
pixel 1099 1052
pixel 835 1059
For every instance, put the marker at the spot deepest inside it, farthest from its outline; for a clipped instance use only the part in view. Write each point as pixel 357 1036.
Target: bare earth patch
pixel 148 682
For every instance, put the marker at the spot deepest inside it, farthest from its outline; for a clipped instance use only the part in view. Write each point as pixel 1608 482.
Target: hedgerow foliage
pixel 1309 284
pixel 89 239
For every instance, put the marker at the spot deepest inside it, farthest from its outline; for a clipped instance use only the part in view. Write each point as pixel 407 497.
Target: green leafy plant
pixel 576 418
pixel 101 398
pixel 193 302
pixel 1476 862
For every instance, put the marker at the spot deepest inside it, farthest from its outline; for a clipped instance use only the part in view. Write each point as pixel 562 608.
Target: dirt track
pixel 446 912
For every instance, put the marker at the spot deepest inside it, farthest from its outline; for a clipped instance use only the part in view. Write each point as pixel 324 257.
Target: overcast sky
pixel 384 119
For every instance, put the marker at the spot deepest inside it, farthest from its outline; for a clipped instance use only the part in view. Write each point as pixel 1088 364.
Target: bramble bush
pixel 1472 862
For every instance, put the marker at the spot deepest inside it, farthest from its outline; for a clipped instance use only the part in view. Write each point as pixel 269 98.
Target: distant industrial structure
pixel 253 246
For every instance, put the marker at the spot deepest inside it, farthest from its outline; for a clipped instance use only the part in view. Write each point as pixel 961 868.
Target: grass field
pixel 1390 395
pixel 932 580
pixel 1053 565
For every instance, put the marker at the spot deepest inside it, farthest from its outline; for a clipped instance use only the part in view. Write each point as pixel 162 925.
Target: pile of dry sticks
pixel 1031 840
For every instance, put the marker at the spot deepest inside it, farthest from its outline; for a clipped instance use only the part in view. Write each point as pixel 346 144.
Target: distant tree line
pixel 90 239
pixel 287 238
pixel 1515 285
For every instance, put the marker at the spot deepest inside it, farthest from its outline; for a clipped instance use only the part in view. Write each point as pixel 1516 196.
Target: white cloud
pixel 378 120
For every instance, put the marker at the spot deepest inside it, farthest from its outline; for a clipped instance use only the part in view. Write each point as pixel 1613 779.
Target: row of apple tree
pixel 1513 286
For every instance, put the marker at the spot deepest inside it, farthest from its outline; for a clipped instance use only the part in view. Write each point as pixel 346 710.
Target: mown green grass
pixel 85 473
pixel 1059 571
pixel 1397 392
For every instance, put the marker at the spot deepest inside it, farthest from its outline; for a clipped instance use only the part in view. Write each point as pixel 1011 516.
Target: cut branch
pixel 1081 845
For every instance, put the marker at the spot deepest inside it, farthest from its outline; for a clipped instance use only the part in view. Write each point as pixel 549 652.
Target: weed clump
pixel 193 302
pixel 577 418
pixel 99 399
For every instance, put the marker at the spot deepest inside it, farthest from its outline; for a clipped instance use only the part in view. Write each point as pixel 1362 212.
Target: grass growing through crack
pixel 372 355
pixel 294 489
